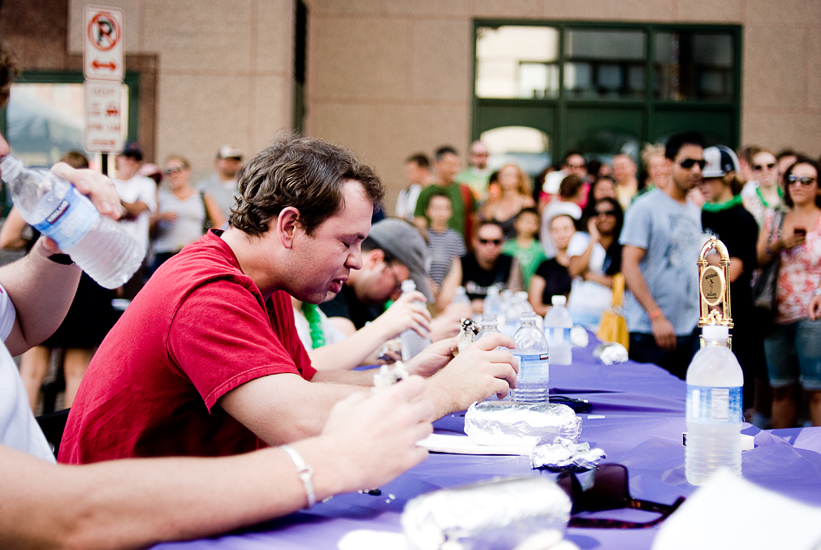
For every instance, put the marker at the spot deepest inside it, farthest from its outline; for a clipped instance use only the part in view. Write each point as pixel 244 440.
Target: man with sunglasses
pixel 661 240
pixel 483 267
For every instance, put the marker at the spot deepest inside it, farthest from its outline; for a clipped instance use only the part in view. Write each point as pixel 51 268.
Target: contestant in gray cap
pixel 394 251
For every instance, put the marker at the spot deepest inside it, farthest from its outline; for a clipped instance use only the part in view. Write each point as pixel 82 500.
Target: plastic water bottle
pixel 714 381
pixel 493 304
pixel 557 325
pixel 513 313
pixel 487 325
pixel 54 207
pixel 461 297
pixel 533 380
pixel 412 343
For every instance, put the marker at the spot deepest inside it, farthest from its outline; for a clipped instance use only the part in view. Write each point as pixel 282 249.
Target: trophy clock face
pixel 712 285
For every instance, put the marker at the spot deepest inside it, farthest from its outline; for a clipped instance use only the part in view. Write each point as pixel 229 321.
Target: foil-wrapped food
pixel 492 515
pixel 566 455
pixel 520 424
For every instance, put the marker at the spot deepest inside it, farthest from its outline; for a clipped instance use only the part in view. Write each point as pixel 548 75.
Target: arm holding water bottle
pixel 42 288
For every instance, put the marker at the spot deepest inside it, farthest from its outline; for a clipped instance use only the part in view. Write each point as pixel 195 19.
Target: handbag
pixel 766 281
pixel 613 325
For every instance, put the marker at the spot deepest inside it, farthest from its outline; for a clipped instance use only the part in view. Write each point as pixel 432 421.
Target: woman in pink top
pixel 793 347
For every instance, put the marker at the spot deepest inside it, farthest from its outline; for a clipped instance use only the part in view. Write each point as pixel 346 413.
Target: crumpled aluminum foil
pixel 492 515
pixel 566 455
pixel 611 353
pixel 520 424
pixel 579 337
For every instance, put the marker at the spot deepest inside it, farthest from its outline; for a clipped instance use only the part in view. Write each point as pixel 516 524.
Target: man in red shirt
pixel 206 360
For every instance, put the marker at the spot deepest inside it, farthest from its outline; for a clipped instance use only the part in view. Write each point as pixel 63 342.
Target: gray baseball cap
pixel 402 240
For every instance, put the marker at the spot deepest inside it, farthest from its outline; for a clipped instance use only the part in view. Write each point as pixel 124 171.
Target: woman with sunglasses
pixel 182 213
pixel 594 257
pixel 724 216
pixel 793 346
pixel 764 194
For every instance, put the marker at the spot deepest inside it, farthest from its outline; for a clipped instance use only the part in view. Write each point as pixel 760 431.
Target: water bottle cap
pixel 491 290
pixel 715 332
pixel 460 290
pixel 408 285
pixel 11 166
pixel 488 318
pixel 558 300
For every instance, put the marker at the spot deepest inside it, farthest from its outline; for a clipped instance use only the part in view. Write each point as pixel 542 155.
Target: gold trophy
pixel 714 286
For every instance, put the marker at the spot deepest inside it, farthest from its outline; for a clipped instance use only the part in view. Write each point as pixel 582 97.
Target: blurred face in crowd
pixel 228 167
pixel 686 170
pixel 604 188
pixel 447 167
pixel 416 174
pixel 765 168
pixel 439 211
pixel 509 178
pixel 561 230
pixel 575 165
pixel 127 167
pixel 715 190
pixel 177 173
pixel 527 225
pixel 488 245
pixel 479 155
pixel 624 168
pixel 802 184
pixel 659 170
pixel 605 218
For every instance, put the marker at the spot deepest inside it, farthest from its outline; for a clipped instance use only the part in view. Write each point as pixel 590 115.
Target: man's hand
pixel 814 308
pixel 99 188
pixel 475 374
pixel 373 437
pixel 664 333
pixel 408 312
pixel 448 324
pixel 432 358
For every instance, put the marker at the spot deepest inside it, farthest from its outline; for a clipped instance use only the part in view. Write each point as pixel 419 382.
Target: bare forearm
pixel 637 285
pixel 351 352
pixel 135 503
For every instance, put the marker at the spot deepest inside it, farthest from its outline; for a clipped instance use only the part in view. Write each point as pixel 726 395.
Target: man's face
pixel 684 177
pixel 126 166
pixel 447 168
pixel 322 262
pixel 479 155
pixel 623 168
pixel 439 209
pixel 575 165
pixel 488 243
pixel 228 167
pixel 416 174
pixel 380 280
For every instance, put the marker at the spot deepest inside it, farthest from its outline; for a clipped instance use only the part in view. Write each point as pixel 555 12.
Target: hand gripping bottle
pixel 557 326
pixel 412 343
pixel 714 381
pixel 54 207
pixel 534 371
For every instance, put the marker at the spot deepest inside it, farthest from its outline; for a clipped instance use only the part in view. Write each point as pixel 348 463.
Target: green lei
pixel 719 206
pixel 761 197
pixel 311 313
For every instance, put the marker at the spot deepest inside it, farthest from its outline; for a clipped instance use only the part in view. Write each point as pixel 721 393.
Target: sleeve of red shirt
pixel 221 337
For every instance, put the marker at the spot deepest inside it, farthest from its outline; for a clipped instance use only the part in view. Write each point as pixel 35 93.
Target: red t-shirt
pixel 197 330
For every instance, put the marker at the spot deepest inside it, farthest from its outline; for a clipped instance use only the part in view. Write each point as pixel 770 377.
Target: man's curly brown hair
pixel 9 68
pixel 305 173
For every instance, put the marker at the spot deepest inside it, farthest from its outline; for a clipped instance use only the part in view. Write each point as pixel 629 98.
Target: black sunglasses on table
pixel 610 490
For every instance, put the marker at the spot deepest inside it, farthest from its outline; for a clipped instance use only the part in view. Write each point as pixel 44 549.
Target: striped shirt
pixel 442 248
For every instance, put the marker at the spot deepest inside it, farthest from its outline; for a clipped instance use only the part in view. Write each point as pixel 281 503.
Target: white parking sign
pixel 103 43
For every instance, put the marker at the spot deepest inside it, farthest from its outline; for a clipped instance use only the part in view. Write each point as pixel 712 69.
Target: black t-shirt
pixel 477 281
pixel 738 230
pixel 557 279
pixel 345 304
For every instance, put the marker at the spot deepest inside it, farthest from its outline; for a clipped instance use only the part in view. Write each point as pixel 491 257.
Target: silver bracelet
pixel 305 473
pixel 816 292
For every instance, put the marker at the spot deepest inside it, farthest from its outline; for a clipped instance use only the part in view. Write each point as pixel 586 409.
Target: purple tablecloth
pixel 643 419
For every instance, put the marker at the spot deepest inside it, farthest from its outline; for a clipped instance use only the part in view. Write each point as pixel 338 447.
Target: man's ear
pixel 287 224
pixel 373 258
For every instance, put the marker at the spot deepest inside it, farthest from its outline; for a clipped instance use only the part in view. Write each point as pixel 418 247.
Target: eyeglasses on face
pixel 610 213
pixel 575 166
pixel 760 167
pixel 174 170
pixel 610 490
pixel 389 267
pixel 806 181
pixel 687 164
pixel 494 242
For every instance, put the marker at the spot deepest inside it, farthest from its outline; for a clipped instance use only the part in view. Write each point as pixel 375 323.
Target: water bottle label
pixel 70 221
pixel 712 405
pixel 557 336
pixel 533 368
